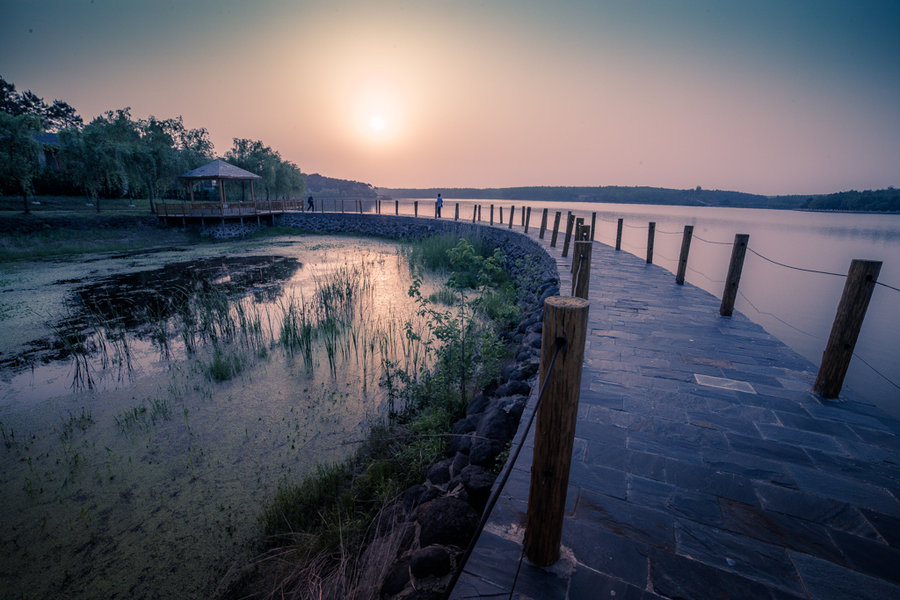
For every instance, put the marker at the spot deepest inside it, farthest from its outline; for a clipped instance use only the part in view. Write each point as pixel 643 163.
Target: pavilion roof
pixel 219 169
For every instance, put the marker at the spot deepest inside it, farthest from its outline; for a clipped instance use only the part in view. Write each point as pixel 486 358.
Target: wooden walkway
pixel 231 210
pixel 703 465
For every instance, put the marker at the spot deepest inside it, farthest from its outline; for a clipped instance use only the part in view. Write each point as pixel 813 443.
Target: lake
pixel 797 307
pixel 152 402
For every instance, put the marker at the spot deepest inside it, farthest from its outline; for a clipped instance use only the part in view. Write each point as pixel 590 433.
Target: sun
pixel 377 123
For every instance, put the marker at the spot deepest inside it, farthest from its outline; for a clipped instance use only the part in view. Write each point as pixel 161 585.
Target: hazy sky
pixel 781 96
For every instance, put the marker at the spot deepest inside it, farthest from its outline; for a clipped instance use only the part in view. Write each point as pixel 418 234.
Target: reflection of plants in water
pixel 9 437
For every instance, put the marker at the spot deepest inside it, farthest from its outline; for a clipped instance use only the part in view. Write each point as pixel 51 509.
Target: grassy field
pixel 67 226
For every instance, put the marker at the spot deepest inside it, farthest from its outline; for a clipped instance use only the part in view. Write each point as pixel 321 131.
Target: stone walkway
pixel 703 466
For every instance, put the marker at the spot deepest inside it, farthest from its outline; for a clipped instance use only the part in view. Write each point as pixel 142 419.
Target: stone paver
pixel 703 466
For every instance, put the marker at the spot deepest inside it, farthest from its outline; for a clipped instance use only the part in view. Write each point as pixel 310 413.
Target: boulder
pixel 446 520
pixel 431 561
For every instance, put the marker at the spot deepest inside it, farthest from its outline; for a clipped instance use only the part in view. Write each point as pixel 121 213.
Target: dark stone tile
pixel 751 467
pixel 887 526
pixel 675 576
pixel 600 432
pixel 652 527
pixel 768 449
pixel 824 426
pixel 695 506
pixel 587 585
pixel 594 478
pixel 607 553
pixel 779 529
pixel 490 561
pixel 798 437
pixel 535 582
pixel 755 560
pixel 870 557
pixel 648 492
pixel 827 581
pixel 844 489
pixel 878 474
pixel 713 420
pixel 613 456
pixel 815 508
pixel 876 437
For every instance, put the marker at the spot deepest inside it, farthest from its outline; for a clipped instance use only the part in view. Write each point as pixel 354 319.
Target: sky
pixel 769 97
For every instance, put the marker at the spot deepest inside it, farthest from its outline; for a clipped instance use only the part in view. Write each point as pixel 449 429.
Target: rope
pixel 705 276
pixel 560 344
pixel 877 372
pixel 890 287
pixel 779 319
pixel 775 262
pixel 697 237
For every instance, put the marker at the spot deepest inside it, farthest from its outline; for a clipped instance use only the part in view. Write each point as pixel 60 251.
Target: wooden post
pixel 738 251
pixel 512 214
pixel 565 323
pixel 570 223
pixel 474 212
pixel 619 234
pixel 543 224
pixel 523 217
pixel 581 268
pixel 492 215
pixel 555 230
pixel 848 321
pixel 527 218
pixel 579 224
pixel 416 208
pixel 396 207
pixel 479 213
pixel 651 234
pixel 593 224
pixel 683 257
pixel 456 213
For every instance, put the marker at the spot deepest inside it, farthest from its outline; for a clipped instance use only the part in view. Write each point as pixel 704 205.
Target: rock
pixel 460 462
pixel 397 578
pixel 483 452
pixel 465 425
pixel 418 495
pixel 477 405
pixel 459 444
pixel 532 339
pixel 431 561
pixel 446 520
pixel 514 387
pixel 439 473
pixel 478 484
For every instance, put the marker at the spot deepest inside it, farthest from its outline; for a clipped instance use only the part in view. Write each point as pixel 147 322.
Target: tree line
pixel 887 200
pixel 47 149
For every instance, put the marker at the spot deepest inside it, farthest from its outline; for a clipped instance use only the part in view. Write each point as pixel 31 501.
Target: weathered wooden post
pixel 456 213
pixel 858 288
pixel 492 215
pixel 543 224
pixel 474 212
pixel 396 208
pixel 593 224
pixel 738 251
pixel 564 329
pixel 579 225
pixel 651 234
pixel 479 213
pixel 527 214
pixel 683 257
pixel 619 234
pixel 415 208
pixel 512 214
pixel 570 223
pixel 581 268
pixel 555 230
pixel 523 217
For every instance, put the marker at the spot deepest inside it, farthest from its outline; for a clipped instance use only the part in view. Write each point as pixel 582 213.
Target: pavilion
pixel 219 171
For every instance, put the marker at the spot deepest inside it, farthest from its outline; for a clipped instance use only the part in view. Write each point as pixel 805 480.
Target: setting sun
pixel 377 123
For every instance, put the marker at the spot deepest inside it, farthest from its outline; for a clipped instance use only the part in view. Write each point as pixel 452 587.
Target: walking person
pixel 437 206
pixel 310 205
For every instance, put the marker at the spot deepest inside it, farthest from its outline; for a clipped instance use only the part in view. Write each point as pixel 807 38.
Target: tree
pixel 56 117
pixel 18 152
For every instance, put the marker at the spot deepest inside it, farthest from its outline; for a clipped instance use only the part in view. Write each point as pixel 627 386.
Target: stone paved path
pixel 703 466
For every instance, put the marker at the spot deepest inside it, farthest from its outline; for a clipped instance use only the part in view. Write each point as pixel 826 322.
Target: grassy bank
pixel 64 227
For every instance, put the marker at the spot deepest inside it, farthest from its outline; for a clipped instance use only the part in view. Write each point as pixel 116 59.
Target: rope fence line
pixel 876 371
pixel 697 237
pixel 890 287
pixel 779 319
pixel 805 270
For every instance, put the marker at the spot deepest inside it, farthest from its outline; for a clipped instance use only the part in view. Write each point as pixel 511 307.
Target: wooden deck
pixel 230 210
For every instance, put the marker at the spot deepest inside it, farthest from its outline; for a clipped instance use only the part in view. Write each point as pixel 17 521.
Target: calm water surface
pixel 147 482
pixel 795 306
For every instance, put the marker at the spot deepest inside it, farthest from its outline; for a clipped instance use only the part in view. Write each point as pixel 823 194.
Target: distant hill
pixel 880 200
pixel 329 187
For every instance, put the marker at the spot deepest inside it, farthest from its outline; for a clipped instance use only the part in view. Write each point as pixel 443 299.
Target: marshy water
pixel 151 403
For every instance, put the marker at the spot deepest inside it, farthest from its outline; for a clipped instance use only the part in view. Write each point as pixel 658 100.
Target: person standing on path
pixel 437 206
pixel 310 205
